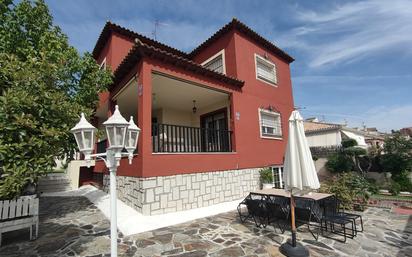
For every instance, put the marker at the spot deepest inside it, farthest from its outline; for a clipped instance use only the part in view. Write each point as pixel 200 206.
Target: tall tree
pixel 44 85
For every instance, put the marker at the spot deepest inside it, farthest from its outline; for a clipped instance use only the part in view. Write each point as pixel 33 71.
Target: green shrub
pixel 397 155
pixel 395 188
pixel 373 187
pixel 349 187
pixel 403 180
pixel 266 175
pixel 339 163
pixel 346 143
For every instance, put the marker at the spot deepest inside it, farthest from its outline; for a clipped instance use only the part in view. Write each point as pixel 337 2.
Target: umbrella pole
pixel 292 213
pixel 292 248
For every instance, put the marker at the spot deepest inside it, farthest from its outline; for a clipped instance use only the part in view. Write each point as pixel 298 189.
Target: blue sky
pixel 353 58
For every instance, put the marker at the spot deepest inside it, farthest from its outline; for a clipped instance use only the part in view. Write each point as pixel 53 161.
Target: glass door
pixel 214 132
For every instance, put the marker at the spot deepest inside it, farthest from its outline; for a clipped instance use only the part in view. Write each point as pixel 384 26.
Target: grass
pixel 390 197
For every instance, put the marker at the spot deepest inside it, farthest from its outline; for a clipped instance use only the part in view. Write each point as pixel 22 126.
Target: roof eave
pixel 241 27
pixel 140 49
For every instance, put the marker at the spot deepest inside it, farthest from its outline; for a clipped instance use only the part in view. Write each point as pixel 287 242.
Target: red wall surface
pixel 250 149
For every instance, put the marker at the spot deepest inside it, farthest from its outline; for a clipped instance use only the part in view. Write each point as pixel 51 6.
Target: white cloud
pixel 387 118
pixel 352 31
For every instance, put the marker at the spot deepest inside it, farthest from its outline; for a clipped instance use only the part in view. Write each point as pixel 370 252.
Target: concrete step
pixel 54 182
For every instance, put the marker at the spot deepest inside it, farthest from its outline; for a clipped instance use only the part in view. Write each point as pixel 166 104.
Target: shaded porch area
pixel 188 117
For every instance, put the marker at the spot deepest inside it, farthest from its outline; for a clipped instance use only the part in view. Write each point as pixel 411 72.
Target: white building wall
pixel 327 138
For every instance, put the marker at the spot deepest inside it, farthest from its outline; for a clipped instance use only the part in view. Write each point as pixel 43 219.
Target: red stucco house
pixel 209 119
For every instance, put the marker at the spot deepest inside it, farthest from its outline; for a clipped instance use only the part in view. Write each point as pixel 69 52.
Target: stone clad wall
pixel 158 195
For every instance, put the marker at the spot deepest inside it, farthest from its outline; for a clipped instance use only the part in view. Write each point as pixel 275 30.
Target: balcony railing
pixel 168 138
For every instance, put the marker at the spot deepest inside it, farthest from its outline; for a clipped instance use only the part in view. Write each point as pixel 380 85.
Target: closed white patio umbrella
pixel 299 176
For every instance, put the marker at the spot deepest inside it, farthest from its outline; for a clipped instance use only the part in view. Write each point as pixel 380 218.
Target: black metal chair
pixel 278 210
pixel 332 217
pixel 353 216
pixel 256 209
pixel 308 212
pixel 242 210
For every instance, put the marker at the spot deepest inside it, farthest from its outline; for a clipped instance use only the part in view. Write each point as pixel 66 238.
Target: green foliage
pixel 339 163
pixel 349 187
pixel 397 156
pixel 349 143
pixel 45 84
pixel 266 175
pixel 354 151
pixel 347 159
pixel 373 188
pixel 403 181
pixel 395 188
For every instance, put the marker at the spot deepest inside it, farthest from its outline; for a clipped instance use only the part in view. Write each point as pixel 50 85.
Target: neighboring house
pixel 374 138
pixel 321 134
pixel 210 118
pixel 406 132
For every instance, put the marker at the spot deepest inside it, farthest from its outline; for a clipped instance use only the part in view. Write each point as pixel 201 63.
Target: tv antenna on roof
pixel 156 25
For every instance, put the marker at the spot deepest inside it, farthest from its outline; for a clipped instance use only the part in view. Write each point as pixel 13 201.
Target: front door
pixel 215 134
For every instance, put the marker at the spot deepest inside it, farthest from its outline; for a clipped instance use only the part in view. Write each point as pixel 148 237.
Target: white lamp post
pixel 121 134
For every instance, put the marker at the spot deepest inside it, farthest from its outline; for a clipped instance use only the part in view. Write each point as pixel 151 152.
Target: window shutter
pixel 216 64
pixel 265 70
pixel 268 120
pixel 270 124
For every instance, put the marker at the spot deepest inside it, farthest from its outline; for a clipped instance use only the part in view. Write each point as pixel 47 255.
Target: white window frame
pixel 279 175
pixel 103 64
pixel 275 114
pixel 262 59
pixel 222 53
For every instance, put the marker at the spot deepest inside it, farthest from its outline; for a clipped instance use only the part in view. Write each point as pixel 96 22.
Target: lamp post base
pixel 298 251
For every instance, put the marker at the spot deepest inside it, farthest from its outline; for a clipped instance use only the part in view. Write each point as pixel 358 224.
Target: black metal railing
pixel 184 139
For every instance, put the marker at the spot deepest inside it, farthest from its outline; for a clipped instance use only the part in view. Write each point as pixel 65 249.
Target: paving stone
pixel 72 226
pixel 144 243
pixel 200 245
pixel 174 251
pixel 235 251
pixel 192 254
pixel 317 243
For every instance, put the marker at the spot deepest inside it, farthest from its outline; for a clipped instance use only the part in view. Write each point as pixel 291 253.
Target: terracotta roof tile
pixel 319 126
pixel 109 27
pixel 241 27
pixel 141 49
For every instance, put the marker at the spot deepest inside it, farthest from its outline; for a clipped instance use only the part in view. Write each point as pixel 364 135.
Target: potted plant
pixel 266 179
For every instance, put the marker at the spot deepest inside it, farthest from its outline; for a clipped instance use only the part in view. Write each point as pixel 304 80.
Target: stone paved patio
pixel 73 226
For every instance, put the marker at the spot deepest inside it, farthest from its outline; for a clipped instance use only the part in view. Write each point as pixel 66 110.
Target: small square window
pixel 266 70
pixel 216 63
pixel 270 124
